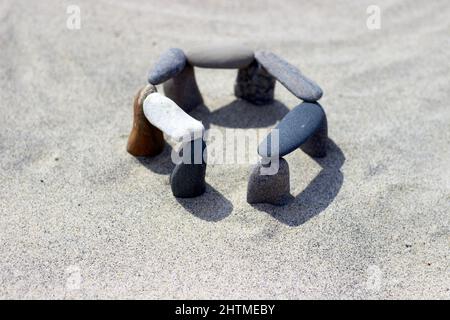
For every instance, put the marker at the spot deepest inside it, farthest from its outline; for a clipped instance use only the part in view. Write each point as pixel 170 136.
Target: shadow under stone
pixel 160 164
pixel 211 206
pixel 317 196
pixel 241 114
pixel 237 114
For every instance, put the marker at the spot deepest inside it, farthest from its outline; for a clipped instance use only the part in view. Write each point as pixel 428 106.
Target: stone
pixel 188 179
pixel 144 139
pixel 169 64
pixel 316 145
pixel 220 57
pixel 183 89
pixel 289 76
pixel 254 84
pixel 272 189
pixel 168 117
pixel 299 125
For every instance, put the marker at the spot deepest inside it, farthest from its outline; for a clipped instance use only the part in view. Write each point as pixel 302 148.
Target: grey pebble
pixel 272 189
pixel 305 124
pixel 316 145
pixel 188 179
pixel 289 76
pixel 220 57
pixel 169 64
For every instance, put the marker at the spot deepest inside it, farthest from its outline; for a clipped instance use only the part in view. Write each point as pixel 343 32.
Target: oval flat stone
pixel 220 57
pixel 169 64
pixel 293 130
pixel 168 117
pixel 289 76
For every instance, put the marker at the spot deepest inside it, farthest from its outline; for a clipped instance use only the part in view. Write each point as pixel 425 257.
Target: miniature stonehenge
pixel 304 127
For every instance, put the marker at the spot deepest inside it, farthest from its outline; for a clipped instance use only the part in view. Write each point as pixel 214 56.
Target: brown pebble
pixel 145 139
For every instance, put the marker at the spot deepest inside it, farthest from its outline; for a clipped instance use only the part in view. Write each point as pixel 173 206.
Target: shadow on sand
pixel 317 196
pixel 241 114
pixel 213 206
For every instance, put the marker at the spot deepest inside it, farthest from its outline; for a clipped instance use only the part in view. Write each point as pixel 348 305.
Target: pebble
pixel 294 129
pixel 144 139
pixel 183 89
pixel 188 179
pixel 220 57
pixel 168 117
pixel 272 189
pixel 316 145
pixel 170 63
pixel 289 76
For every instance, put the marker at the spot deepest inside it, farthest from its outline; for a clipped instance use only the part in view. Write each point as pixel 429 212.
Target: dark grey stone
pixel 188 178
pixel 170 63
pixel 306 123
pixel 254 84
pixel 273 189
pixel 220 57
pixel 316 145
pixel 289 76
pixel 183 89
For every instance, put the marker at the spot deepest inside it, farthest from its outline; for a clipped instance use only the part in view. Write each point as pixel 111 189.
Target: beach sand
pixel 81 218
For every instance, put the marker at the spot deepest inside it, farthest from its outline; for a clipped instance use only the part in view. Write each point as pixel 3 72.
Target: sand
pixel 81 218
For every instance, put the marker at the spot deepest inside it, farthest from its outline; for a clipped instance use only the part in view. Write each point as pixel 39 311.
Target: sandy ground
pixel 81 218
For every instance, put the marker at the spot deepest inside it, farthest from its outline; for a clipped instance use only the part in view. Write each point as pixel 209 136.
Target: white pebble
pixel 168 117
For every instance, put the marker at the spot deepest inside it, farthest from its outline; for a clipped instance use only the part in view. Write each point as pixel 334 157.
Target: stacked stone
pixel 305 126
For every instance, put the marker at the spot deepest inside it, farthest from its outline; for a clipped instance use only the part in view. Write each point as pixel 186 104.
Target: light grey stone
pixel 220 57
pixel 289 76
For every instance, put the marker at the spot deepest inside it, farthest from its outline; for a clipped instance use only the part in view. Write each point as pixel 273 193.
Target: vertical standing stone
pixel 272 189
pixel 183 89
pixel 145 139
pixel 254 84
pixel 188 178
